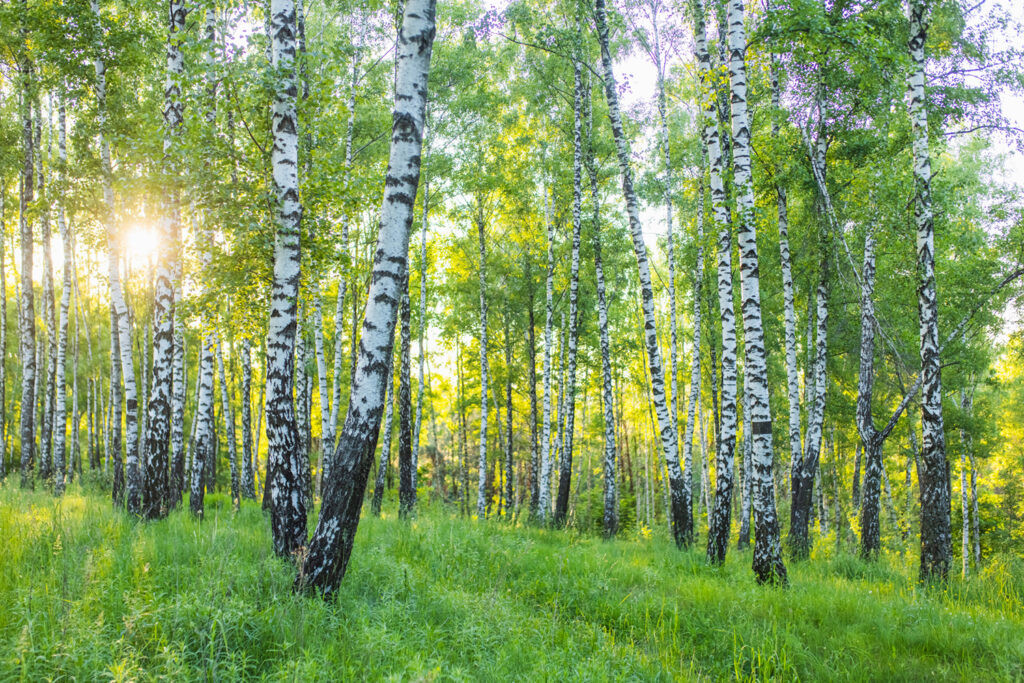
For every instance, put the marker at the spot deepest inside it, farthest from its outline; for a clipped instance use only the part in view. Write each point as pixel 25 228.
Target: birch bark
pixel 331 544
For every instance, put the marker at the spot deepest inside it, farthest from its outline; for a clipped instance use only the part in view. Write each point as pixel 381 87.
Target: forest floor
pixel 88 593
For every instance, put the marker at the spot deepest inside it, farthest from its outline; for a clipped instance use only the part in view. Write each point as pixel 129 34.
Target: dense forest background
pixel 537 373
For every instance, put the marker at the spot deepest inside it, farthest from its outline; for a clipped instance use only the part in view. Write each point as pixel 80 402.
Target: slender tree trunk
pixel 856 477
pixel 48 353
pixel 26 311
pixel 719 519
pixel 666 427
pixel 611 510
pixel 3 333
pixel 288 500
pixel 744 539
pixel 767 563
pixel 509 465
pixel 60 405
pixel 158 422
pixel 869 531
pixel 385 450
pixel 565 459
pixel 202 448
pixel 229 429
pixel 807 466
pixel 115 415
pixel 544 497
pixel 481 495
pixel 331 544
pixel 965 447
pixel 531 379
pixel 248 479
pixel 421 350
pixel 936 550
pixel 406 487
pixel 975 519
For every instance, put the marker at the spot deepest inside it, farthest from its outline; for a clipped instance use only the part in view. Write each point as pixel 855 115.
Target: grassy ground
pixel 90 594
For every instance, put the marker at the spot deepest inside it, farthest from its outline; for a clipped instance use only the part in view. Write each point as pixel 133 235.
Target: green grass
pixel 90 594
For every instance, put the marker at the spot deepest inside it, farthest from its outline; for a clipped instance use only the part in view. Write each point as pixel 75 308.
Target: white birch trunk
pixel 666 427
pixel 544 497
pixel 767 564
pixel 331 545
pixel 288 501
pixel 481 491
pixel 936 551
pixel 60 406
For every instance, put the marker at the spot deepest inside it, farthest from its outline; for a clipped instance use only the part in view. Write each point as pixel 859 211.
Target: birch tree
pixel 331 545
pixel 936 550
pixel 60 405
pixel 666 427
pixel 767 563
pixel 288 502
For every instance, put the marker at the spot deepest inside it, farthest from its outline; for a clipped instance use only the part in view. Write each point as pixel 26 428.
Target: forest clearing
pixel 511 339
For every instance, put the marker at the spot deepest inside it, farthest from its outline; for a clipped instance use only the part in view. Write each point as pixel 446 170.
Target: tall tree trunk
pixel 744 539
pixel 544 485
pixel 975 519
pixel 767 563
pixel 856 476
pixel 385 450
pixel 418 423
pixel 406 487
pixel 611 511
pixel 202 448
pixel 229 429
pixel 807 466
pixel 115 415
pixel 26 311
pixel 531 380
pixel 509 465
pixel 331 544
pixel 869 530
pixel 3 334
pixel 666 427
pixel 248 478
pixel 695 362
pixel 966 402
pixel 565 459
pixel 936 550
pixel 719 520
pixel 60 405
pixel 288 500
pixel 481 492
pixel 49 351
pixel 158 422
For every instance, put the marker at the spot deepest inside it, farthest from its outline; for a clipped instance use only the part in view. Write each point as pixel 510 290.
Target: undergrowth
pixel 86 592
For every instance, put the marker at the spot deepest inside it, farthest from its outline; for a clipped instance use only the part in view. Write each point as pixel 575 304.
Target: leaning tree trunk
pixel 385 451
pixel 288 500
pixel 767 564
pixel 611 512
pixel 659 65
pixel 406 487
pixel 60 405
pixel 331 545
pixel 666 427
pixel 158 422
pixel 26 311
pixel 719 519
pixel 565 458
pixel 481 491
pixel 936 544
